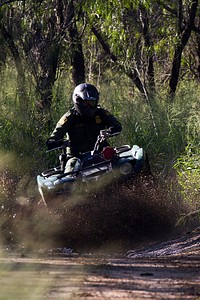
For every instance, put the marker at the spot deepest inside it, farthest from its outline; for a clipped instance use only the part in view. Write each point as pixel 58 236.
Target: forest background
pixel 143 56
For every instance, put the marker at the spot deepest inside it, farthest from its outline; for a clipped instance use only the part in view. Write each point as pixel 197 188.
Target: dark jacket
pixel 83 132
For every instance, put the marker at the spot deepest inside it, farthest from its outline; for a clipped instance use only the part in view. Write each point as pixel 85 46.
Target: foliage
pixel 140 39
pixel 188 167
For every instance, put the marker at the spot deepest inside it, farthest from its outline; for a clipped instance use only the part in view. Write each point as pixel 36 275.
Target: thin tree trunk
pixel 77 57
pixel 149 49
pixel 47 79
pixel 18 63
pixel 184 35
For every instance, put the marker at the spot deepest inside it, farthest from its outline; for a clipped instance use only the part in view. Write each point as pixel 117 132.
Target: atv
pixel 92 166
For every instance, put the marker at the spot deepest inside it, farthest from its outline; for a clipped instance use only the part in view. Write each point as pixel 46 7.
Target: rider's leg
pixel 70 164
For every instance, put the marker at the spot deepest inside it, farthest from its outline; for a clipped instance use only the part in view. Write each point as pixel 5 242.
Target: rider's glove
pixel 107 132
pixel 111 130
pixel 52 143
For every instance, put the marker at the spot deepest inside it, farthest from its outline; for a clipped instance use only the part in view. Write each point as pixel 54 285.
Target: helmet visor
pixel 89 103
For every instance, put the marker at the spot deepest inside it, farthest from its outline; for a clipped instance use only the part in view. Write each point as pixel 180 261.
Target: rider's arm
pixel 62 127
pixel 111 122
pixel 56 138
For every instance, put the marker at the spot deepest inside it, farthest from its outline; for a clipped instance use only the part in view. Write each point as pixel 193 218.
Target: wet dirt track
pixel 146 273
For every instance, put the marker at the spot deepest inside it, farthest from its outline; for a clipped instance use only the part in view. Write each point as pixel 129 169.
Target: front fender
pixel 137 152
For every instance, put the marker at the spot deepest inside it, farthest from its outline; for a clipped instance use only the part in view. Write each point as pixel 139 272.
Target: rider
pixel 82 123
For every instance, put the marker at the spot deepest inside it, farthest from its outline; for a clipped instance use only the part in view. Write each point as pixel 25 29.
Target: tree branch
pixel 8 2
pixel 168 8
pixel 103 44
pixel 196 29
pixel 132 73
pixel 184 37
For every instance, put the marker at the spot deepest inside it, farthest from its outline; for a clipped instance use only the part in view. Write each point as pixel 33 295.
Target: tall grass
pixel 177 123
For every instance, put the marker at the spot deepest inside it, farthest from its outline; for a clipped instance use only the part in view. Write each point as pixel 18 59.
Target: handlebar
pixel 106 133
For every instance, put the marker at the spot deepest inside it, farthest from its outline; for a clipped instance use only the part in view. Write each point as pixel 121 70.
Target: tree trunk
pixel 198 57
pixel 19 67
pixel 184 35
pixel 77 57
pixel 149 49
pixel 47 79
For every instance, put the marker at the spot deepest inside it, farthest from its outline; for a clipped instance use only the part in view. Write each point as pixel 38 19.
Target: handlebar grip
pixel 107 133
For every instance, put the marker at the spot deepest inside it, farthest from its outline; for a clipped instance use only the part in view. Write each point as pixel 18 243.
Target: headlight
pixel 126 168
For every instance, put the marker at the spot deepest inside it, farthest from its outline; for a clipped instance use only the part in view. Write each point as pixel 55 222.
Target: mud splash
pixel 133 210
pixel 122 215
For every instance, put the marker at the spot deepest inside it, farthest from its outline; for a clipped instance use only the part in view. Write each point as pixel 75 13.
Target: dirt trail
pixel 169 270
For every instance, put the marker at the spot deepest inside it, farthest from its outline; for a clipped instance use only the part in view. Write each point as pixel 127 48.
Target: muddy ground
pixel 169 270
pixel 121 245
